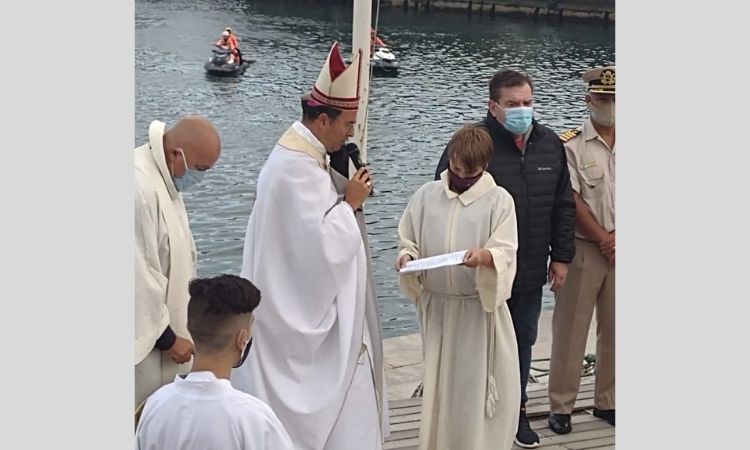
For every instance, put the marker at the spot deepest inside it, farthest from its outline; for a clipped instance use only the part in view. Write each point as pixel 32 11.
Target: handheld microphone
pixel 352 150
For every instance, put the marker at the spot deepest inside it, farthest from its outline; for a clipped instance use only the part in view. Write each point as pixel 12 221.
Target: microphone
pixel 352 150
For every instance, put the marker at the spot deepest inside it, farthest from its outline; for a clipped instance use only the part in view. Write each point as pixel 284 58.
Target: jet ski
pixel 221 63
pixel 383 61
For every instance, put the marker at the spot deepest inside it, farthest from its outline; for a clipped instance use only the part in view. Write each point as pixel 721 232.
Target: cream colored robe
pixel 165 259
pixel 471 391
pixel 310 360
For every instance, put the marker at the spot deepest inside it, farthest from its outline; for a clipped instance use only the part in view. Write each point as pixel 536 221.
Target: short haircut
pixel 311 111
pixel 215 307
pixel 472 146
pixel 506 79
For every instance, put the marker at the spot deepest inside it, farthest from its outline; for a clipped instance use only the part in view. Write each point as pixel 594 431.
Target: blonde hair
pixel 472 146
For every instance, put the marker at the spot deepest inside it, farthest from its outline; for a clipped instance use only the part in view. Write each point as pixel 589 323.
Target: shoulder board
pixel 570 134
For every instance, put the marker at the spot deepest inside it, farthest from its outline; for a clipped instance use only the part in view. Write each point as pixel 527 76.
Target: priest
pixel 317 356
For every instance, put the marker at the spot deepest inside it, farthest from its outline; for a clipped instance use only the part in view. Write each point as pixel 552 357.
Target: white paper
pixel 434 262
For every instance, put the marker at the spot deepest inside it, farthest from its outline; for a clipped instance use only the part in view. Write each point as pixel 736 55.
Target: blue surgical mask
pixel 518 120
pixel 189 178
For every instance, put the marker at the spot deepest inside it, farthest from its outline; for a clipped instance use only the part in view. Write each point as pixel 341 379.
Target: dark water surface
pixel 447 60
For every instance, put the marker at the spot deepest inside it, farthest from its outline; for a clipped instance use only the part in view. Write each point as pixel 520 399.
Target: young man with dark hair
pixel 202 410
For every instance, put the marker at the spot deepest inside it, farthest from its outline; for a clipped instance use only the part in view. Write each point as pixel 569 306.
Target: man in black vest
pixel 529 162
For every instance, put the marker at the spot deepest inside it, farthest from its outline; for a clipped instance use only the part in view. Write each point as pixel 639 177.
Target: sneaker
pixel 525 436
pixel 606 414
pixel 560 423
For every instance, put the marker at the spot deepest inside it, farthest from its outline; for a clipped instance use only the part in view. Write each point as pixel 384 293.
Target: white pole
pixel 361 23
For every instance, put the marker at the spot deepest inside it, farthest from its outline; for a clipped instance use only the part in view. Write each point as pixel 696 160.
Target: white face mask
pixel 603 114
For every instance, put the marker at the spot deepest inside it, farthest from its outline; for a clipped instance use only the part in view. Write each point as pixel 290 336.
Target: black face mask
pixel 459 184
pixel 244 354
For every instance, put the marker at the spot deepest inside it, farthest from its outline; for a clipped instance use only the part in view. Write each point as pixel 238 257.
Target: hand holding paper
pixel 402 261
pixel 434 262
pixel 478 256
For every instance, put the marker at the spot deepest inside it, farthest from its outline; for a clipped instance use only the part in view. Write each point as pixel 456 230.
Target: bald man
pixel 170 163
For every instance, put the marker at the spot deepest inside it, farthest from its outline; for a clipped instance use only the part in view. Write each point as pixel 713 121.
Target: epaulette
pixel 570 134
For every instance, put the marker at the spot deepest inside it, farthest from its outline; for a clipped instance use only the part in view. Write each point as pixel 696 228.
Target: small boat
pixel 221 63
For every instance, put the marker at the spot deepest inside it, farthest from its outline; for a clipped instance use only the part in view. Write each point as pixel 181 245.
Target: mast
pixel 361 23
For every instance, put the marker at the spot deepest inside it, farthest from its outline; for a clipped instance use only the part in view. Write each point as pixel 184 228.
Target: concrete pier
pixel 594 11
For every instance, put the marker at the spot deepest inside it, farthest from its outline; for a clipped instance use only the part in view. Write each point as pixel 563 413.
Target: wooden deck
pixel 588 432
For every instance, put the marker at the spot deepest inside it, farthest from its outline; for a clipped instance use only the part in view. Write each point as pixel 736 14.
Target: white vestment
pixel 310 359
pixel 471 392
pixel 202 412
pixel 164 264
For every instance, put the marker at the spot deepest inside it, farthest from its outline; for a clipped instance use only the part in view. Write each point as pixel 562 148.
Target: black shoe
pixel 525 436
pixel 606 414
pixel 560 423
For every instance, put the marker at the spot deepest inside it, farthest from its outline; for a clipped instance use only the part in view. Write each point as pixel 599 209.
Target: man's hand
pixel 608 243
pixel 557 274
pixel 401 263
pixel 181 351
pixel 358 188
pixel 607 246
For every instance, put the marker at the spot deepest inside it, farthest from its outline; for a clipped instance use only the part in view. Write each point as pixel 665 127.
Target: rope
pixel 588 368
pixel 491 394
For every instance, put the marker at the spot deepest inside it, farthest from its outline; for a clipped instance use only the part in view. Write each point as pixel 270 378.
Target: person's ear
pixel 242 337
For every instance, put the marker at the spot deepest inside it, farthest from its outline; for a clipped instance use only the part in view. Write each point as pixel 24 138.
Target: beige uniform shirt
pixel 592 174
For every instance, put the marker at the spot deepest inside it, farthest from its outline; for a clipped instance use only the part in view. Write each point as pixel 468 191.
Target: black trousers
pixel 525 307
